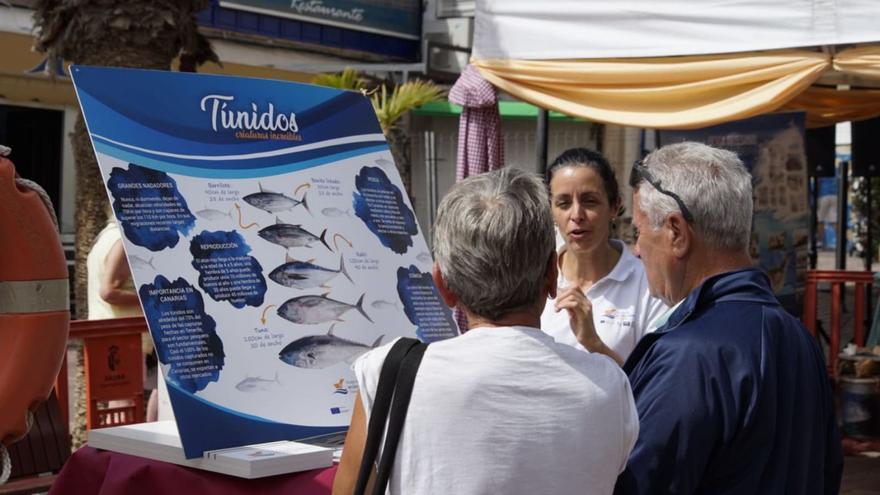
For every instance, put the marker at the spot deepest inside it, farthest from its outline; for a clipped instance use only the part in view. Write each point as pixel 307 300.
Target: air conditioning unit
pixel 447 45
pixel 455 8
pixel 457 31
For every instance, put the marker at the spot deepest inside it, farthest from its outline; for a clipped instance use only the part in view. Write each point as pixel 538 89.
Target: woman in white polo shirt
pixel 598 275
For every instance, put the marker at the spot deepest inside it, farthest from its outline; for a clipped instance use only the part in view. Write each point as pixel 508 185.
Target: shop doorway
pixel 36 138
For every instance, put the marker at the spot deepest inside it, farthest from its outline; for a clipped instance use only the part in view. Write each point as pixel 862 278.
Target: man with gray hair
pixel 731 391
pixel 502 408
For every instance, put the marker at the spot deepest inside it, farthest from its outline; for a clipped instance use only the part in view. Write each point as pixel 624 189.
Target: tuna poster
pixel 271 243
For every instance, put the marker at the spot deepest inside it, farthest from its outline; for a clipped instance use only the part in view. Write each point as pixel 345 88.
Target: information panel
pixel 271 243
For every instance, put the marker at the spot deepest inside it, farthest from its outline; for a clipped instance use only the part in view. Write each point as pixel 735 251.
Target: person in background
pixel 111 294
pixel 732 392
pixel 596 273
pixel 502 408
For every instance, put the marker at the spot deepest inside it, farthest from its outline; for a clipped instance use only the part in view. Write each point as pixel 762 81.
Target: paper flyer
pixel 271 242
pixel 772 148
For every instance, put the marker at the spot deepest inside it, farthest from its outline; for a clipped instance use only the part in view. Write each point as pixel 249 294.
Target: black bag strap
pixel 381 406
pixel 406 377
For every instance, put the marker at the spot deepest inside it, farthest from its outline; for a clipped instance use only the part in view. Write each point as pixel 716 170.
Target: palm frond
pixel 405 97
pixel 347 79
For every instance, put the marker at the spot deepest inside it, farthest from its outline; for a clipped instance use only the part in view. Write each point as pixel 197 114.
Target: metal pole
pixel 541 140
pixel 643 143
pixel 842 202
pixel 432 143
pixel 814 219
pixel 430 178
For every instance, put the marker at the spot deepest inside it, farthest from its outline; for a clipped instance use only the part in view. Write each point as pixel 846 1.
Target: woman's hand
pixel 580 313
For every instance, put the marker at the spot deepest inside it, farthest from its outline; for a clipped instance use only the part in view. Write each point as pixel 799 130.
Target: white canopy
pixel 591 29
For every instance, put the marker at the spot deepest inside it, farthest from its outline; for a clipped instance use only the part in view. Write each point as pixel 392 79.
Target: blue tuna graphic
pixel 311 310
pixel 322 351
pixel 273 202
pixel 305 275
pixel 289 235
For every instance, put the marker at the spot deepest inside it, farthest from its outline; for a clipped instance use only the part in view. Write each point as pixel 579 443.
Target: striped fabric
pixel 480 147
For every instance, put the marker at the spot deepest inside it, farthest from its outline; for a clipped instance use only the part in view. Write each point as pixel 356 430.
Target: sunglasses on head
pixel 641 173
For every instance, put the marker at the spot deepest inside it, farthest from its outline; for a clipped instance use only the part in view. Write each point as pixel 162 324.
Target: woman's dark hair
pixel 583 157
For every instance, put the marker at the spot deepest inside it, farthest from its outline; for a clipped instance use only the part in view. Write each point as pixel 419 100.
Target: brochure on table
pixel 271 242
pixel 160 441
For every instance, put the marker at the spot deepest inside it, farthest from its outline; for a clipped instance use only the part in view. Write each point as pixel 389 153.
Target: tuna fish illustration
pixel 305 275
pixel 322 351
pixel 139 263
pixel 274 202
pixel 310 310
pixel 381 304
pixel 213 215
pixel 289 235
pixel 334 212
pixel 256 384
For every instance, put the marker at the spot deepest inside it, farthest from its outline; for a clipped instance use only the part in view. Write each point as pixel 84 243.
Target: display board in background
pixel 271 242
pixel 772 148
pixel 866 148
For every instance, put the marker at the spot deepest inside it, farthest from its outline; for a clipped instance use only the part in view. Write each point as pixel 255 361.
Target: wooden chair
pixel 838 279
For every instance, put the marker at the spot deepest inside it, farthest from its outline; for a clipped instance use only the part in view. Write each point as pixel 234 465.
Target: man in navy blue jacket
pixel 731 391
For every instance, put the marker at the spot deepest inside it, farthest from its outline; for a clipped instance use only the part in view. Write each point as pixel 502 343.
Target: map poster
pixel 271 243
pixel 772 148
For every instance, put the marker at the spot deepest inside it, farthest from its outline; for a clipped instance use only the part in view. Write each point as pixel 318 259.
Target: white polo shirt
pixel 623 308
pixel 509 411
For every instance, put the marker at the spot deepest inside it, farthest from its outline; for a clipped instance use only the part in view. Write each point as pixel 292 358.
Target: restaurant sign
pixel 398 18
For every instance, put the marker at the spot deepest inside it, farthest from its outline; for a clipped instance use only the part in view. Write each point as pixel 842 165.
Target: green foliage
pixel 347 79
pixel 404 97
pixel 859 188
pixel 390 108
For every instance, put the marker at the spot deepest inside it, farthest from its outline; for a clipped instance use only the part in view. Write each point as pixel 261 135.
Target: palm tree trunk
pixel 90 217
pixel 399 143
pixel 91 208
pixel 114 33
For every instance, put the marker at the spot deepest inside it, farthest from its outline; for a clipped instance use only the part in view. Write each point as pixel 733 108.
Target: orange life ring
pixel 34 303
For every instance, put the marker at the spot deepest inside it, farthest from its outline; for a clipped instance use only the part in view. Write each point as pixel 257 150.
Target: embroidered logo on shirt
pixel 340 388
pixel 612 315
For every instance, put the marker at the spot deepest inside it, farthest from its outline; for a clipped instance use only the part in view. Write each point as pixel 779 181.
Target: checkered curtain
pixel 480 147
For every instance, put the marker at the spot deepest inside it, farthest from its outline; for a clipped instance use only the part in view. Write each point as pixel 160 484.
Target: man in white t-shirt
pixel 503 408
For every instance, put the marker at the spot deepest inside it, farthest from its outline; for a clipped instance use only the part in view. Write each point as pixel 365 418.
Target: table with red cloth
pixel 91 471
